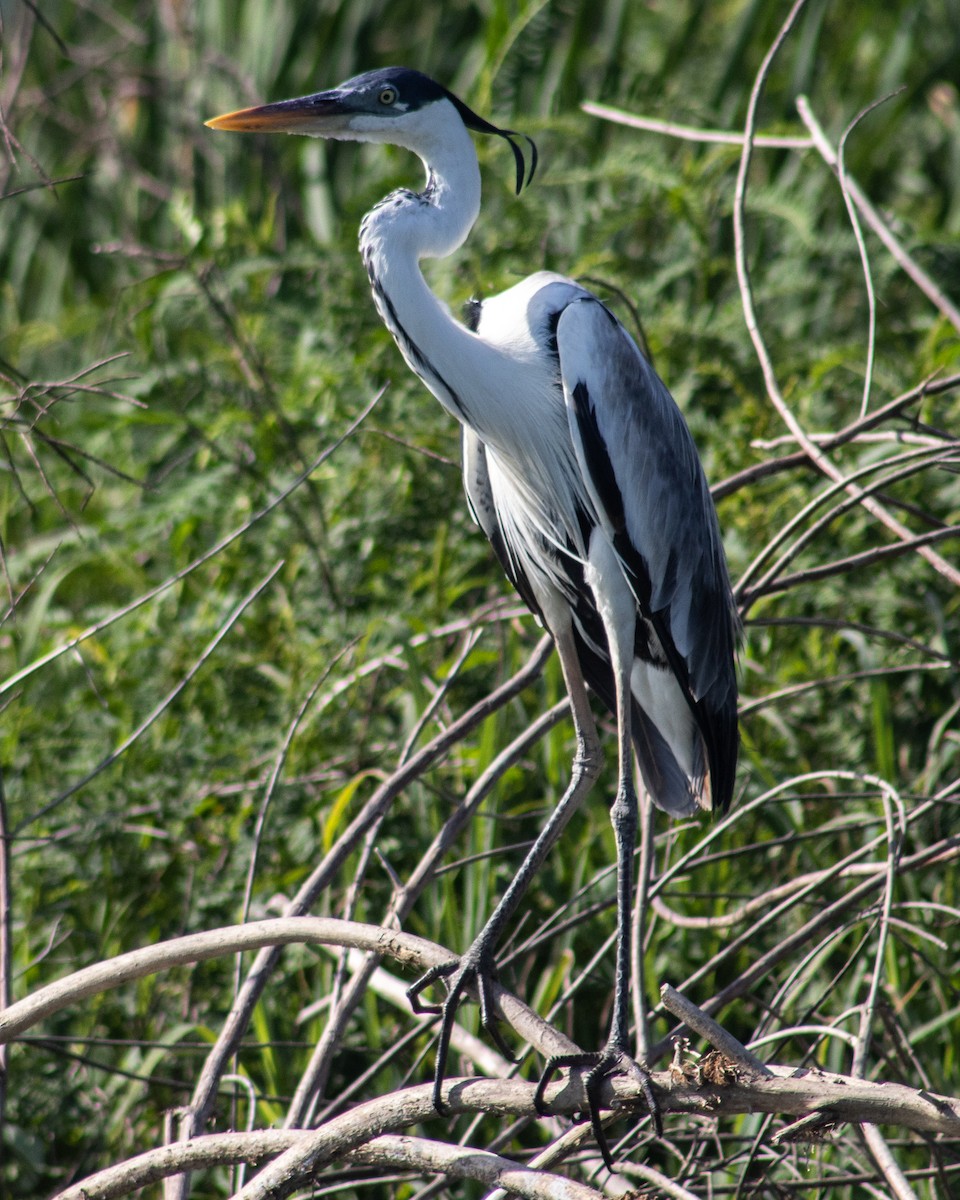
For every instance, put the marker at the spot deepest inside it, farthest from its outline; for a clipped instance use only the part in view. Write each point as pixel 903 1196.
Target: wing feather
pixel 476 483
pixel 641 467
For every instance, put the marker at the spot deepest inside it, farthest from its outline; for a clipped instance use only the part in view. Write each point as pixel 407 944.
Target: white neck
pixel 405 228
pixel 503 387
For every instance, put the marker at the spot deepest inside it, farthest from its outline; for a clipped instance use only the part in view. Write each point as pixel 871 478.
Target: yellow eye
pixel 388 95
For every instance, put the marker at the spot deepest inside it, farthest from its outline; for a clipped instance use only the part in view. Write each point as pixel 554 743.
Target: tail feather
pixel 666 782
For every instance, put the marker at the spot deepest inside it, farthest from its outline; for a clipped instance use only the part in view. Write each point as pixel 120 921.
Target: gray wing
pixel 642 470
pixel 588 632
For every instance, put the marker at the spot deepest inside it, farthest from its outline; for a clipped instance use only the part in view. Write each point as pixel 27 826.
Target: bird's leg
pixel 615 1056
pixel 477 965
pixel 617 607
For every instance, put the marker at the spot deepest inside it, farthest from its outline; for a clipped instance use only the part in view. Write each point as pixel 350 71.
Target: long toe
pixel 609 1061
pixel 476 968
pixel 560 1062
pixel 641 1076
pixel 601 1065
pixel 415 990
pixel 613 1061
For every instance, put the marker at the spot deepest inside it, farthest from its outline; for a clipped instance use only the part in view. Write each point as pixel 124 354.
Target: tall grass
pixel 185 329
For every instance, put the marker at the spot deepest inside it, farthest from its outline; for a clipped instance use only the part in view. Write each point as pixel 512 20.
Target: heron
pixel 581 471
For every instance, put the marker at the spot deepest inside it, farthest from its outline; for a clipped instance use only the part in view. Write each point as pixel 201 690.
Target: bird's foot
pixel 611 1060
pixel 475 969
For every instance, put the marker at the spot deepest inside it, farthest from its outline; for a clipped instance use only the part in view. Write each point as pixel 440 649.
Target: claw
pixel 607 1062
pixel 440 971
pixel 475 967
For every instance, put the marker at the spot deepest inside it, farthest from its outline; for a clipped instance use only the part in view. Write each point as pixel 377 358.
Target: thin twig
pixel 275 773
pixel 903 260
pixel 343 1003
pixel 910 462
pixel 830 441
pixel 753 327
pixel 195 1115
pixel 406 896
pixel 160 708
pixel 862 248
pixel 825 917
pixel 853 562
pixel 690 133
pixel 869 1008
pixel 92 630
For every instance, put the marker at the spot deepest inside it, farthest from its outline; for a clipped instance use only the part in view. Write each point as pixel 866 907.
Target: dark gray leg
pixel 618 609
pixel 477 965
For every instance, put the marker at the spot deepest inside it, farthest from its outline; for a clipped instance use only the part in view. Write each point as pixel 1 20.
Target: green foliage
pixel 185 328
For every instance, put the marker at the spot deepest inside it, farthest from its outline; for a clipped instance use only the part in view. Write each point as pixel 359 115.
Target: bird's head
pixel 394 105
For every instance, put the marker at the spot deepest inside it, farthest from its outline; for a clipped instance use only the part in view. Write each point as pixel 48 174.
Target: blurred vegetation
pixel 185 328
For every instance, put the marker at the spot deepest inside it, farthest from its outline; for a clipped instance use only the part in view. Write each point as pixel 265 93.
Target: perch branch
pixel 732 1085
pixel 837 1098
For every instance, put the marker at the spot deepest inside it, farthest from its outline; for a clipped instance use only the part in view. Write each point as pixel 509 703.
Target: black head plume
pixel 388 92
pixel 479 125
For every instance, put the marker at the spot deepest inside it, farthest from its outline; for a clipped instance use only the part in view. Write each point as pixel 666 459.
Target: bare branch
pixel 882 1156
pixel 31 668
pixel 831 441
pixel 837 1098
pixel 696 1019
pixel 689 133
pixel 753 327
pixel 908 264
pixel 416 953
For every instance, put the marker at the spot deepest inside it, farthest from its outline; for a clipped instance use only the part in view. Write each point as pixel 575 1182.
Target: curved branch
pixel 296 1167
pixel 903 260
pixel 359 1135
pixel 414 952
pixel 814 453
pixel 393 1151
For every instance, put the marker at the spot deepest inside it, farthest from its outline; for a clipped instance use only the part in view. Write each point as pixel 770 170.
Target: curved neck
pixel 406 227
pixel 436 221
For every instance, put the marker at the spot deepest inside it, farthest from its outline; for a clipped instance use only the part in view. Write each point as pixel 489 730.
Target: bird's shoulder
pixel 528 312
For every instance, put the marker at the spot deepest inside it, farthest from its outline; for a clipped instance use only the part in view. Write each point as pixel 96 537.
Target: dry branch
pixel 833 1098
pixel 690 133
pixel 417 1155
pixel 416 953
pixel 722 1084
pixel 907 263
